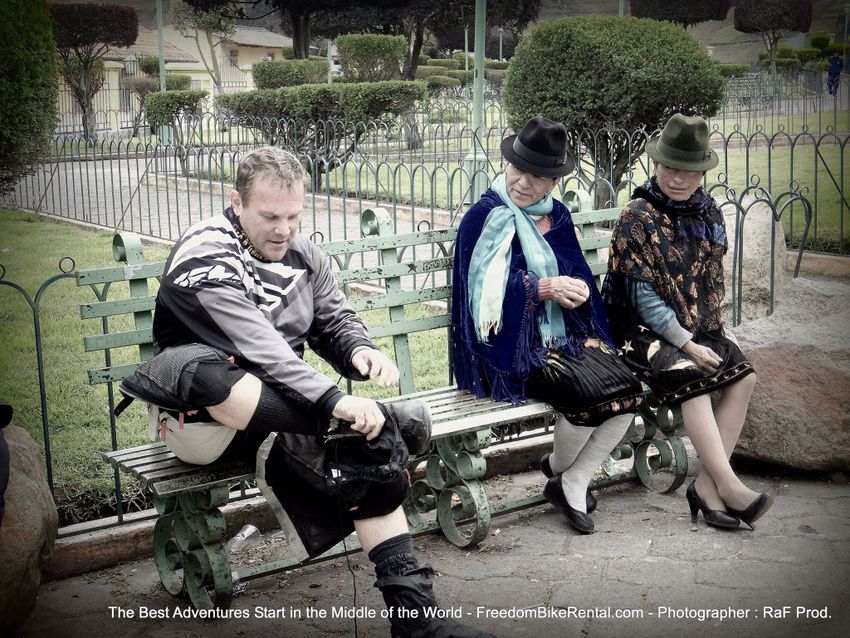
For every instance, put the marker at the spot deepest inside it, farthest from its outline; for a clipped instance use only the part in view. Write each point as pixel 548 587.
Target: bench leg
pixel 453 487
pixel 656 456
pixel 189 550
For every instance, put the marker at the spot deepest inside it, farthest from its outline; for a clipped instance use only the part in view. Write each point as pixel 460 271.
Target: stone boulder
pixel 28 530
pixel 800 411
pixel 757 254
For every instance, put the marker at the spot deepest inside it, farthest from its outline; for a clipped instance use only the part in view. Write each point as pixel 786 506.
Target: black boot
pixel 413 419
pixel 408 591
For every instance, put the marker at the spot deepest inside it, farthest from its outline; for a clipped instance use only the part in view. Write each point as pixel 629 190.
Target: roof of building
pixel 258 37
pixel 147 43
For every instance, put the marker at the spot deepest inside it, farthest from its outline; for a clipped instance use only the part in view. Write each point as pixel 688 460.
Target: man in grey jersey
pixel 242 294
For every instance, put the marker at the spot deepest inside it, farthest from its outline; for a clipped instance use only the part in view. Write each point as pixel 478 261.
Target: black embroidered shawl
pixel 678 247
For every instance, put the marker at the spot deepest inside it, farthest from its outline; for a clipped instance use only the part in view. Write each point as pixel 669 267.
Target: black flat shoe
pixel 755 510
pixel 715 518
pixel 590 502
pixel 555 495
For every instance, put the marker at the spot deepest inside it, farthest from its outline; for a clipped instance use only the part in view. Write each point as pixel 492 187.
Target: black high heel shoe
pixel 755 510
pixel 554 493
pixel 590 502
pixel 715 518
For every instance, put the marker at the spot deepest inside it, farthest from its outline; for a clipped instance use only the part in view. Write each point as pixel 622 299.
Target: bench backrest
pixel 395 272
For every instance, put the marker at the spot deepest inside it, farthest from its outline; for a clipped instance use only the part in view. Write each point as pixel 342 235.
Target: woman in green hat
pixel 663 292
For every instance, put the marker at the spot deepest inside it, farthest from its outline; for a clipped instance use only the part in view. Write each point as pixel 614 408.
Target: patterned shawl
pixel 678 247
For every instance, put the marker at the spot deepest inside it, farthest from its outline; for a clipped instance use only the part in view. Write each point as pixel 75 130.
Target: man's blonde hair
pixel 268 162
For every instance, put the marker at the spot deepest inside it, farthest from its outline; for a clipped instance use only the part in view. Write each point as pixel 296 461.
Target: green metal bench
pixel 406 270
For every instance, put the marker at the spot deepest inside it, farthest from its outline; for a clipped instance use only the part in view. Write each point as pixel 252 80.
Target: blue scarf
pixel 490 264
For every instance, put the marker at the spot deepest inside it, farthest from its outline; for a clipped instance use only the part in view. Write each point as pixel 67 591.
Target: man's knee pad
pixel 382 498
pixel 212 382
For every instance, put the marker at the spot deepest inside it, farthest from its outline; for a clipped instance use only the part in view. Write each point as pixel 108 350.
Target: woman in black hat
pixel 663 291
pixel 528 320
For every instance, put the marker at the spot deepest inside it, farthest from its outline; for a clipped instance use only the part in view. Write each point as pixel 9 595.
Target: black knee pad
pixel 212 382
pixel 382 498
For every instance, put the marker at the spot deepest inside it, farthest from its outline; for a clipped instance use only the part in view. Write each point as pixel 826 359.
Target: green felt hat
pixel 683 144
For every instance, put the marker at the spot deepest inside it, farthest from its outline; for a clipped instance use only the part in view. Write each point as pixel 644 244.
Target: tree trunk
pixel 415 37
pixel 300 21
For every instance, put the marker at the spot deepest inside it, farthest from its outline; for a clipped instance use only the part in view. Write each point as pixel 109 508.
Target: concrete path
pixel 644 573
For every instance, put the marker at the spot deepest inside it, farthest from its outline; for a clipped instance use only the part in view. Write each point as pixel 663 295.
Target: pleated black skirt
pixel 588 389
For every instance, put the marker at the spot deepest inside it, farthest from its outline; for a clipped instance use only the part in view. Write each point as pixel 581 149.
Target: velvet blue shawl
pixel 501 367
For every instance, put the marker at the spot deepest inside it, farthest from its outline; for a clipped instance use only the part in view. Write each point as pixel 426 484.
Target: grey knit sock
pixel 577 477
pixel 568 441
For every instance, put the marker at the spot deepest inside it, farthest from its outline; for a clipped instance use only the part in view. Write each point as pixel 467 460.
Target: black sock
pixel 276 413
pixel 394 557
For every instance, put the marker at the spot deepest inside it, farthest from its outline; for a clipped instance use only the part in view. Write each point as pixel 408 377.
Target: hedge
pixel 351 101
pixel 162 108
pixel 371 58
pixel 28 92
pixel 446 64
pixel 439 82
pixel 733 70
pixel 278 73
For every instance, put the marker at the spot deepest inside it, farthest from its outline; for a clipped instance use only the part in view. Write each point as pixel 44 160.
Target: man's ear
pixel 235 200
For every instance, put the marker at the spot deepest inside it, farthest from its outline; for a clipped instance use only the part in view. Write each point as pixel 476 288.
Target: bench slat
pixel 402 298
pixel 117 339
pixel 202 481
pixel 410 325
pixel 596 216
pixel 111 373
pixel 118 455
pixel 120 273
pixel 116 307
pixel 369 244
pixel 424 266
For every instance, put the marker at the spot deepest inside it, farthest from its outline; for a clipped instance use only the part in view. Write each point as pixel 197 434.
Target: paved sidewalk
pixel 645 572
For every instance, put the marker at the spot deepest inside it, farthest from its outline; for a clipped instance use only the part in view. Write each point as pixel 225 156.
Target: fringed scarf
pixel 678 247
pixel 501 366
pixel 491 259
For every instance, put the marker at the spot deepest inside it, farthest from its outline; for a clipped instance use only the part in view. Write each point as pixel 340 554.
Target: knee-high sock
pixel 604 438
pixel 568 441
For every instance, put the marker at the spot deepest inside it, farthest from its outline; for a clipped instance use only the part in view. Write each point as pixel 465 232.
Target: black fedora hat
pixel 540 148
pixel 683 144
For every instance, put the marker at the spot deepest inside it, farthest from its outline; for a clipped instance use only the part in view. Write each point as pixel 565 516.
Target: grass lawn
pixel 30 251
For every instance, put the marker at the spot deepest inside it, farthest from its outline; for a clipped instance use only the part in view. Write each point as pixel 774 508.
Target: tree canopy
pixel 773 20
pixel 83 34
pixel 684 14
pixel 576 71
pixel 28 90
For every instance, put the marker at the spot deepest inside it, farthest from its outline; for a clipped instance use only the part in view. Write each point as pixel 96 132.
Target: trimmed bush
pixel 28 91
pixel 496 77
pixel 149 65
pixel 465 77
pixel 371 58
pixel 423 72
pixel 820 41
pixel 287 53
pixel 423 59
pixel 495 65
pixel 176 82
pixel 576 71
pixel 278 73
pixel 358 102
pixel 785 51
pixel 784 64
pixel 733 70
pixel 439 83
pixel 446 64
pixel 163 108
pixel 807 54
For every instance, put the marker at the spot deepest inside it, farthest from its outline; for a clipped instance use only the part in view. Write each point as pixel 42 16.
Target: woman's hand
pixel 705 358
pixel 569 292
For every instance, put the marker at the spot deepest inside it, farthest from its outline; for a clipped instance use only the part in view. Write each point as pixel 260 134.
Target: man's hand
pixel 364 415
pixel 705 358
pixel 569 292
pixel 376 365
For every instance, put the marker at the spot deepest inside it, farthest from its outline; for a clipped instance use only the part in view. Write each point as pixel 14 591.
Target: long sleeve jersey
pixel 263 313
